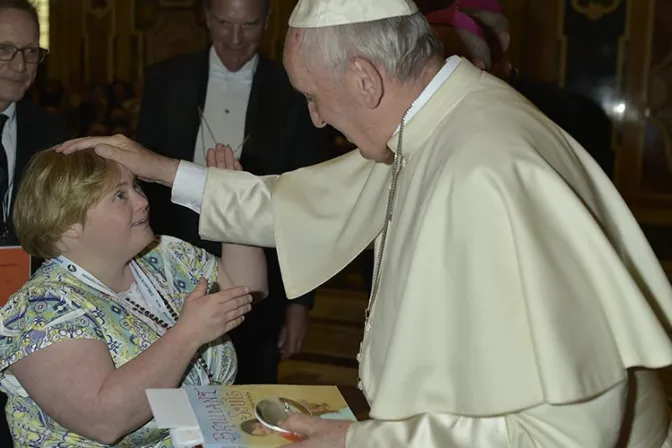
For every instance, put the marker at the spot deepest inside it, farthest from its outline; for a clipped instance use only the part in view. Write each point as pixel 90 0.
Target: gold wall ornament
pixel 595 9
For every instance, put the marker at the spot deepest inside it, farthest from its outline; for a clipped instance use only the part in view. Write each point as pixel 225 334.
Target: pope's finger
pixel 108 151
pixel 63 146
pixel 299 424
pixel 85 143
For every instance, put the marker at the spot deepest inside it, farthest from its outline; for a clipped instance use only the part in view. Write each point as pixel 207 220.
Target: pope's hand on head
pixel 142 162
pixel 221 156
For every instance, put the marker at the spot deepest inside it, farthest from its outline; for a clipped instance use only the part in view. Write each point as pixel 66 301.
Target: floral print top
pixel 55 306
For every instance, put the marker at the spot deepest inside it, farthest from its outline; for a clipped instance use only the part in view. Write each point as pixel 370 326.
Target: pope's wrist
pixel 167 171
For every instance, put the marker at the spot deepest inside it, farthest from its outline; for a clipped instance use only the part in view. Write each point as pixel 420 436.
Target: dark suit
pixel 579 116
pixel 36 130
pixel 281 138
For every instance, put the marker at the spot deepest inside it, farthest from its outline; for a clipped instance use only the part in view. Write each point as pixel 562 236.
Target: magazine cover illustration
pixel 227 419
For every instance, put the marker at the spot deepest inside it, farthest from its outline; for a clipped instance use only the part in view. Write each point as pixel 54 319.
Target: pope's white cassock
pixel 519 303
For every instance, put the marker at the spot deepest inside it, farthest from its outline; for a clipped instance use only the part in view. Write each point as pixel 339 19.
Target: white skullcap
pixel 321 13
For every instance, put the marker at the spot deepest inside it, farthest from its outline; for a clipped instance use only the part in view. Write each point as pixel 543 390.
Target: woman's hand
pixel 222 157
pixel 204 318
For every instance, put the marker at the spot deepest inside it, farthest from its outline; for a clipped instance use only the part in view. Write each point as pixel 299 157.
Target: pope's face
pixel 331 100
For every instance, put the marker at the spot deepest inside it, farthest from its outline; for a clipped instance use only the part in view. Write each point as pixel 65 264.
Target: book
pixel 225 415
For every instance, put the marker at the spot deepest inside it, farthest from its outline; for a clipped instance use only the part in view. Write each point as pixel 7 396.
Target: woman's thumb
pixel 200 290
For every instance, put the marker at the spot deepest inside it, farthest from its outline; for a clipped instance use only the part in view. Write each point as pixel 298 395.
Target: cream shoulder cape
pixel 515 274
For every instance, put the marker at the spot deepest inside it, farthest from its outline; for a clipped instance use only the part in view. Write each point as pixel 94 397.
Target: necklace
pixel 396 169
pixel 165 325
pixel 148 291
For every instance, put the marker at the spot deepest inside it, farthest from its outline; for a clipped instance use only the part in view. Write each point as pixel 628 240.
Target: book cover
pixel 226 415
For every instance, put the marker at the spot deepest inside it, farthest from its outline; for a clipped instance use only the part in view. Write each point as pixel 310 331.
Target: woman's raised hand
pixel 205 317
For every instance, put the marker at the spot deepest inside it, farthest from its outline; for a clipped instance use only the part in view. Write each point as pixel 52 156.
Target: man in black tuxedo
pixel 230 94
pixel 25 128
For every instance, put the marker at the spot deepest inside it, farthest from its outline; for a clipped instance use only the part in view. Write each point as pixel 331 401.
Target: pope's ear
pixel 367 81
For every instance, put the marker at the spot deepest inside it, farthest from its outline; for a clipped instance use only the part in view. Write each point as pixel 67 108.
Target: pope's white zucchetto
pixel 322 13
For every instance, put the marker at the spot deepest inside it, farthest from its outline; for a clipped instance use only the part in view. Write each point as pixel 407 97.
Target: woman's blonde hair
pixel 55 192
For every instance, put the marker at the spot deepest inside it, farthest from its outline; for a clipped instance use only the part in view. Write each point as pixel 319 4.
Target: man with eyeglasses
pixel 26 129
pixel 229 93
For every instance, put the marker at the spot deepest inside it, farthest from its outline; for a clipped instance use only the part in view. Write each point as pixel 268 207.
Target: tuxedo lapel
pixel 261 122
pixel 187 121
pixel 203 77
pixel 187 125
pixel 252 116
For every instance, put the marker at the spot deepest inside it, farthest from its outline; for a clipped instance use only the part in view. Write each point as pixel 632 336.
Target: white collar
pixel 429 91
pixel 245 73
pixel 10 111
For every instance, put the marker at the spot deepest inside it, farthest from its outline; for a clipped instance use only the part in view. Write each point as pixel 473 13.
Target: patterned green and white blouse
pixel 54 306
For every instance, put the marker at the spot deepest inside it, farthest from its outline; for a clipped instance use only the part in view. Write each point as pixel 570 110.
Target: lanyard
pixel 147 289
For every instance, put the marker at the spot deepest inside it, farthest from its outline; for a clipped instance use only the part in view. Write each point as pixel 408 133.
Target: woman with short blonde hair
pixel 105 317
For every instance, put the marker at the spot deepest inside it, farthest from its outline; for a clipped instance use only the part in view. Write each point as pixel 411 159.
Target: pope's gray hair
pixel 403 46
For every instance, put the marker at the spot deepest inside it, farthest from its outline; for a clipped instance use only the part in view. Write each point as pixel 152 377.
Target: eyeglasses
pixel 212 135
pixel 32 55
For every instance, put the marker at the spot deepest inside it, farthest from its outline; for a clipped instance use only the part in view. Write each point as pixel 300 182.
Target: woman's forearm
pixel 122 396
pixel 246 266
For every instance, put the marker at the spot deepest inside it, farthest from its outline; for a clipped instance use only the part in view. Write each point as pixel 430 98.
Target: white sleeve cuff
pixel 189 185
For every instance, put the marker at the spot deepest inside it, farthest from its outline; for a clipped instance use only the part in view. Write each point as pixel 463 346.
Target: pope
pixel 515 302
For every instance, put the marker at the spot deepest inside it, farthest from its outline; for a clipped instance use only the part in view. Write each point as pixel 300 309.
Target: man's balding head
pixel 236 29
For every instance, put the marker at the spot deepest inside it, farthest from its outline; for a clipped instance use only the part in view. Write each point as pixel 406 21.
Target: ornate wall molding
pixel 595 9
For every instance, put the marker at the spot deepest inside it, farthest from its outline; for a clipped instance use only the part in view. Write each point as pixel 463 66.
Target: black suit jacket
pixel 281 134
pixel 579 116
pixel 36 129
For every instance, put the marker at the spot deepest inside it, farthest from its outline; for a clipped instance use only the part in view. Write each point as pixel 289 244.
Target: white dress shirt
pixel 225 107
pixel 190 179
pixel 9 142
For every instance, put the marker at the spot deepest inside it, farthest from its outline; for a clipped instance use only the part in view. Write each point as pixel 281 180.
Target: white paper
pixel 172 410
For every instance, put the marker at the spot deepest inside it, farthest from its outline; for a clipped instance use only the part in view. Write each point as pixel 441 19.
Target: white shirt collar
pixel 429 91
pixel 10 111
pixel 246 73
